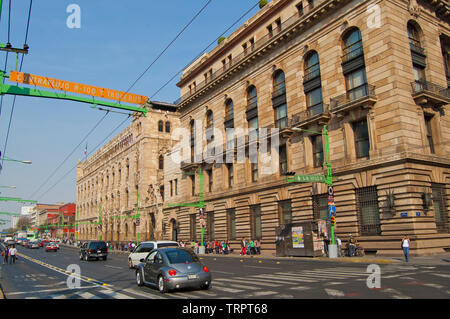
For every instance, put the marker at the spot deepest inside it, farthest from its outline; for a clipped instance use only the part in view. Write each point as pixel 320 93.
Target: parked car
pixel 93 249
pixel 40 243
pixel 51 247
pixel 172 268
pixel 144 248
pixel 25 243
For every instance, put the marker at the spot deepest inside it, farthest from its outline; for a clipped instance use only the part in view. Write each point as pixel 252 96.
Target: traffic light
pixel 333 221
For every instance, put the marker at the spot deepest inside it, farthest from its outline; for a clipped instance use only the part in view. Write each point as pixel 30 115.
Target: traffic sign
pixel 138 221
pixel 306 179
pixel 330 190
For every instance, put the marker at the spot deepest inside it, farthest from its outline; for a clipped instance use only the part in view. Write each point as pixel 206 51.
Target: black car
pixel 93 249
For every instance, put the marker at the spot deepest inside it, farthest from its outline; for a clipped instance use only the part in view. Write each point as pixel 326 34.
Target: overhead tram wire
pixel 203 51
pixel 166 48
pixel 20 70
pixel 6 59
pixel 94 149
pixel 68 156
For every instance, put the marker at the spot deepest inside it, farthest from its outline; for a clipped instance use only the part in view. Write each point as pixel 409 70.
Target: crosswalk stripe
pixel 396 294
pixel 144 294
pixel 115 294
pixel 284 278
pixel 334 273
pixel 227 289
pixel 279 280
pixel 316 276
pixel 253 282
pixel 236 285
pixel 263 293
pixel 334 292
pixel 87 295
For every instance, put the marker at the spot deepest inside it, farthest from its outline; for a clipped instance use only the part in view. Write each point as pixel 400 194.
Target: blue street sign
pixel 403 214
pixel 332 209
pixel 418 214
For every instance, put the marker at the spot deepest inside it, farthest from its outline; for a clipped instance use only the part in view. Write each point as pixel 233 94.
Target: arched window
pixel 312 84
pixel 167 127
pixel 160 126
pixel 417 54
pixel 279 100
pixel 210 132
pixel 161 162
pixel 192 132
pixel 355 72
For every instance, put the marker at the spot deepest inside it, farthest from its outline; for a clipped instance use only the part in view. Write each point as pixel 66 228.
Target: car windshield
pixel 98 245
pixel 181 257
pixel 161 245
pixel 145 248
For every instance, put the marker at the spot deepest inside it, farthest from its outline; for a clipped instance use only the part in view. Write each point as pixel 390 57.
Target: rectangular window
pixel 224 64
pixel 210 180
pixel 244 48
pixel 285 212
pixel 429 132
pixel 230 60
pixel 252 43
pixel 210 225
pixel 176 186
pixel 231 223
pixel 320 206
pixel 270 31
pixel 278 24
pixel 193 184
pixel 361 134
pixel 283 159
pixel 171 188
pixel 368 212
pixel 317 150
pixel 255 222
pixel 314 101
pixel 311 4
pixel 281 119
pixel 300 9
pixel 253 129
pixel 356 84
pixel 193 227
pixel 254 169
pixel 230 175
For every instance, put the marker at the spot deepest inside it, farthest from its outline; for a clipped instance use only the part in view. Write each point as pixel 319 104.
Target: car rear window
pixel 145 248
pixel 161 245
pixel 180 257
pixel 97 245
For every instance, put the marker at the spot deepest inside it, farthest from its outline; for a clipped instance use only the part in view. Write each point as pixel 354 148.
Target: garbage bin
pixel 332 251
pixel 201 250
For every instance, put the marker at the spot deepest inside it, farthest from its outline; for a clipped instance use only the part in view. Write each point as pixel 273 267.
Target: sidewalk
pixel 443 259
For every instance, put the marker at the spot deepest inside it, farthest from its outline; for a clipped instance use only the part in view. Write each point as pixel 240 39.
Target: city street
pixel 42 275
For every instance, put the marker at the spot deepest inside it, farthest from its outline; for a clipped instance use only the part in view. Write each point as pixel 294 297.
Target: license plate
pixel 192 276
pixel 99 251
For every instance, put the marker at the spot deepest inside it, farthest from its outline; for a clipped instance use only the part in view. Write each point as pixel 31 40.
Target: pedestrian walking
pixel 258 246
pixel 351 246
pixel 5 254
pixel 196 247
pixel 405 246
pixel 12 255
pixel 243 246
pixel 252 247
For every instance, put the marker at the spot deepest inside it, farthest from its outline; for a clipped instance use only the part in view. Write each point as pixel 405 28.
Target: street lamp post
pixel 14 160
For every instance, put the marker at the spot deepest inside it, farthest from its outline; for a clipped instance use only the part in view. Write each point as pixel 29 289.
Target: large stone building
pixel 377 73
pixel 130 165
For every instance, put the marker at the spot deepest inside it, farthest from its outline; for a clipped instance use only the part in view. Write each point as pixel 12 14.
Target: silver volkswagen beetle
pixel 172 268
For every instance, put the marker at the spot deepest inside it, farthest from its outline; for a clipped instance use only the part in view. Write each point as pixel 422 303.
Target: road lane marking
pixel 87 295
pixel 114 267
pixel 285 278
pixel 43 291
pixel 263 293
pixel 241 279
pixel 143 294
pixel 334 292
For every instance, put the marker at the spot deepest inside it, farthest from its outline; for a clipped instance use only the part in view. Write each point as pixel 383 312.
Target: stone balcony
pixel 318 114
pixel 360 97
pixel 427 93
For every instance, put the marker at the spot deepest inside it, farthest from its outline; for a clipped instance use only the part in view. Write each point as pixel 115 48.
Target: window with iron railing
pixel 368 211
pixel 440 207
pixel 281 119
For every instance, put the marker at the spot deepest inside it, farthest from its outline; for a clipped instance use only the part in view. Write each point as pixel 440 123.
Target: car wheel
pixel 162 284
pixel 139 280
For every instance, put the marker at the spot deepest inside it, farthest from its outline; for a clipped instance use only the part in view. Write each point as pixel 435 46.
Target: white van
pixel 144 248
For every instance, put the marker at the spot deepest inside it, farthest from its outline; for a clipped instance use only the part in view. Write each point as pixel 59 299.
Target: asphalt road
pixel 44 275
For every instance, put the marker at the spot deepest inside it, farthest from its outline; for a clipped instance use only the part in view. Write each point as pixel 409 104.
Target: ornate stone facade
pixel 376 73
pixel 110 181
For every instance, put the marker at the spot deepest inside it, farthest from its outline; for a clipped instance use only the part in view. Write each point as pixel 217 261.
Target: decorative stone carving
pixel 413 8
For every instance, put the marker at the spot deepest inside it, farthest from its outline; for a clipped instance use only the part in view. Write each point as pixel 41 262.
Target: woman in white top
pixel 405 245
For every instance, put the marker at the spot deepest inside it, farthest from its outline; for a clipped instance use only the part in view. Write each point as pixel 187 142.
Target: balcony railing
pixel 311 114
pixel 422 86
pixel 256 46
pixel 425 92
pixel 415 46
pixel 360 93
pixel 353 51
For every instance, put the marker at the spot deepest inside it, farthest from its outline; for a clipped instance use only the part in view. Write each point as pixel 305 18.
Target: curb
pixel 2 295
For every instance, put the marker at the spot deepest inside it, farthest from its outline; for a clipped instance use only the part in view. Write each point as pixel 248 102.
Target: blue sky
pixel 115 44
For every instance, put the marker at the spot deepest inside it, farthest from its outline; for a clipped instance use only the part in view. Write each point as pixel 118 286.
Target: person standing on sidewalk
pixel 339 243
pixel 405 246
pixel 12 255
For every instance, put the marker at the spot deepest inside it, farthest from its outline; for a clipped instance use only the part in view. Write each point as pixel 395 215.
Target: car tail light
pixel 205 269
pixel 89 251
pixel 172 272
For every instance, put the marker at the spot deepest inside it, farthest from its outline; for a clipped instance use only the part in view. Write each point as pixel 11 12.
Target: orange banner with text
pixel 79 88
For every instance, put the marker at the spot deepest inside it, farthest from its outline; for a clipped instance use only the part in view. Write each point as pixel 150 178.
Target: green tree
pixel 262 3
